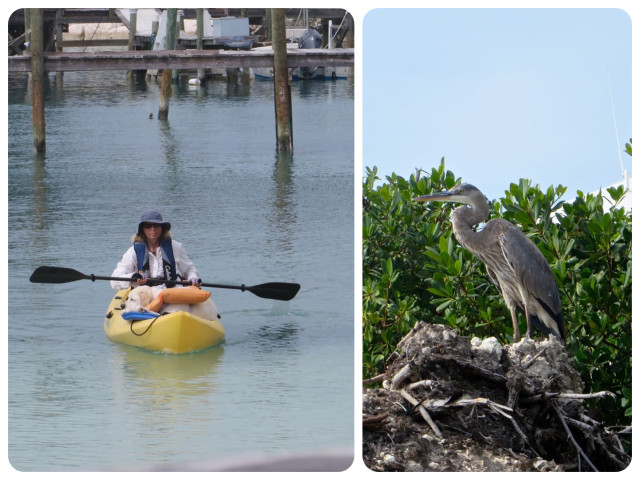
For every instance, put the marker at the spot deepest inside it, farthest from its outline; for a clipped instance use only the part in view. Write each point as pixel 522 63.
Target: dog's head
pixel 139 297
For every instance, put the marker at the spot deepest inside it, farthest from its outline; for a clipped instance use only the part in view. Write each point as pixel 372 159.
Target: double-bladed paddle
pixel 273 290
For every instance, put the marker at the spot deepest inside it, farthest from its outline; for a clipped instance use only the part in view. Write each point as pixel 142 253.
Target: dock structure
pixel 47 54
pixel 180 59
pixel 192 50
pixel 146 23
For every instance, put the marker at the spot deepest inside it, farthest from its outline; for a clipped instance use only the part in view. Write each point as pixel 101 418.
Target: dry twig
pixel 423 411
pixel 377 378
pixel 533 359
pixel 564 396
pixel 421 383
pixel 376 423
pixel 581 453
pixel 404 373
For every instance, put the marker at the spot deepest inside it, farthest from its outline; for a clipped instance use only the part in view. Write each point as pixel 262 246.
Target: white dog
pixel 139 297
pixel 142 295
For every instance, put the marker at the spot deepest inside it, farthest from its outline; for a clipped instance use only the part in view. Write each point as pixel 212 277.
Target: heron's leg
pixel 525 306
pixel 514 320
pixel 528 326
pixel 526 314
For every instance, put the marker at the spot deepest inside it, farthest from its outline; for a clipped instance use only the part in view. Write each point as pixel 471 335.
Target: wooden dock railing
pixel 180 59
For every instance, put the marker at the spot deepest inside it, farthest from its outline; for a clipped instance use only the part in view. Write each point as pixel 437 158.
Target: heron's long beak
pixel 435 197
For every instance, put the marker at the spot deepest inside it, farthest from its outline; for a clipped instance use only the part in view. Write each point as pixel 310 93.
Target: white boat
pixel 300 38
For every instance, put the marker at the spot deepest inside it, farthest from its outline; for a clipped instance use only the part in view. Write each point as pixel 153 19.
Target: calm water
pixel 283 380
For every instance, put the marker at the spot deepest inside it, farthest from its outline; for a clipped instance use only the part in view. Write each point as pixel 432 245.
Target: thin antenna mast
pixel 615 125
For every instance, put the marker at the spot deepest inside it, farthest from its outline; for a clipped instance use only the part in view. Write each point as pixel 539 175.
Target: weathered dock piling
pixel 133 25
pixel 27 26
pixel 178 25
pixel 37 80
pixel 199 38
pixel 59 14
pixel 282 89
pixel 167 73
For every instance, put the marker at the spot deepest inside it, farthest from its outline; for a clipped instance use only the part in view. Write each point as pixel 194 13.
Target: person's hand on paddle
pixel 140 279
pixel 196 282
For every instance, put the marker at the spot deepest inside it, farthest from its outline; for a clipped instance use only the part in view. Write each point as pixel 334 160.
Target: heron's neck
pixel 463 220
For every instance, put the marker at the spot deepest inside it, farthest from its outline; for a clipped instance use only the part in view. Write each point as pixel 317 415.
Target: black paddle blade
pixel 55 275
pixel 275 290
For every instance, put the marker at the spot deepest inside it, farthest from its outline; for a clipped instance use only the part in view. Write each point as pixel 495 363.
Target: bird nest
pixel 448 403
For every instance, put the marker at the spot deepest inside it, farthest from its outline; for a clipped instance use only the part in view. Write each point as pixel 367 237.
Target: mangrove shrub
pixel 414 270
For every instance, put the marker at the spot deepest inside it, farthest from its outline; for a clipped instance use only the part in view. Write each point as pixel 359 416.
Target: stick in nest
pixel 570 436
pixel 564 396
pixel 376 423
pixel 404 373
pixel 423 411
pixel 377 378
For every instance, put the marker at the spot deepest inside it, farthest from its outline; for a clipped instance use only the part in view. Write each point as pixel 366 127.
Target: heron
pixel 514 264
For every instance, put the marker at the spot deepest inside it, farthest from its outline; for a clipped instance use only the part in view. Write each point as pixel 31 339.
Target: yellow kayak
pixel 176 332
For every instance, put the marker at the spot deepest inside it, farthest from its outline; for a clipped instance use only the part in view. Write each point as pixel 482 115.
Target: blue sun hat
pixel 153 216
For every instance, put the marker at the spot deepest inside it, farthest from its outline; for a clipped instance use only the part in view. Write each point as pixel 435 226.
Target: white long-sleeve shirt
pixel 128 265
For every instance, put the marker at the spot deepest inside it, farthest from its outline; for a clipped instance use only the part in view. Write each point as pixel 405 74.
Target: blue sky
pixel 502 94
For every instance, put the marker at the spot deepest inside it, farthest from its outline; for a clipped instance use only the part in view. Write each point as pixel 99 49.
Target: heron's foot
pixel 516 332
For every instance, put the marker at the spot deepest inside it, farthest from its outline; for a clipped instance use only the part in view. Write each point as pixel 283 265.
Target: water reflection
pixel 136 83
pixel 283 215
pixel 150 378
pixel 241 88
pixel 221 89
pixel 308 89
pixel 171 148
pixel 40 193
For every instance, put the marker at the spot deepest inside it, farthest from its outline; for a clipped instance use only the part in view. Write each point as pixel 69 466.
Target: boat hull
pixel 176 332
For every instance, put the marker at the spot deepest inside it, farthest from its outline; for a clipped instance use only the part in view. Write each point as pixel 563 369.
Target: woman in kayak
pixel 154 256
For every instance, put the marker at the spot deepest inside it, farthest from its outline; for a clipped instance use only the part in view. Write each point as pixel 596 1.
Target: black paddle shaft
pixel 273 290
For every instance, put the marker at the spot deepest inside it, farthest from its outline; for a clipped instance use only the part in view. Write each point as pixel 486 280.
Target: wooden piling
pixel 27 28
pixel 165 93
pixel 133 25
pixel 165 86
pixel 179 25
pixel 232 75
pixel 59 15
pixel 267 24
pixel 348 41
pixel 37 80
pixel 244 73
pixel 282 89
pixel 326 33
pixel 199 38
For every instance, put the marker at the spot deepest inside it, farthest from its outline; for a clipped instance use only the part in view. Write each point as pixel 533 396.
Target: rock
pixel 488 350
